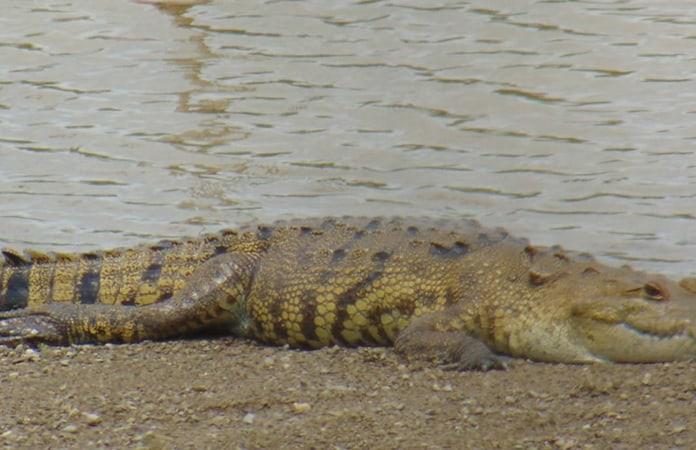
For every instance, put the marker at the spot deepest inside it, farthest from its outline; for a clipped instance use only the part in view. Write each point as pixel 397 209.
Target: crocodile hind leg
pixel 214 295
pixel 436 337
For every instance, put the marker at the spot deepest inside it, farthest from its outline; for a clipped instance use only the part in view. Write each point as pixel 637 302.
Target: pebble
pixel 92 419
pixel 647 379
pixel 446 388
pixel 152 441
pixel 678 429
pixel 301 408
pixel 28 355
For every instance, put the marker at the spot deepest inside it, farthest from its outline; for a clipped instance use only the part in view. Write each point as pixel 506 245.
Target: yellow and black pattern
pixel 450 290
pixel 136 276
pixel 357 285
pixel 350 281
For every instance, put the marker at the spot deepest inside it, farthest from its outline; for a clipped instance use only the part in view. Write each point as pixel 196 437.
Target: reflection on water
pixel 567 122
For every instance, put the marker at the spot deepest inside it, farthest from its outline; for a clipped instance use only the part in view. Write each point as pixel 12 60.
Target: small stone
pixel 647 379
pixel 29 355
pixel 249 418
pixel 92 419
pixel 678 429
pixel 152 441
pixel 301 408
pixel 565 444
pixel 70 428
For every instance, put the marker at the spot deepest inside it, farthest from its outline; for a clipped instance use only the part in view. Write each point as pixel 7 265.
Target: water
pixel 567 122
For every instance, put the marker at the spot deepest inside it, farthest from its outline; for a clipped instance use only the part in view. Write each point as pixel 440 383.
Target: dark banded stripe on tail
pixel 16 294
pixel 89 278
pixel 14 279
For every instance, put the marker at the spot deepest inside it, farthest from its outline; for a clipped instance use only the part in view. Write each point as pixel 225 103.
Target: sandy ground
pixel 224 393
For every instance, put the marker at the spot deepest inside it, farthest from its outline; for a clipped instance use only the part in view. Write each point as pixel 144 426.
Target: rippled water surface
pixel 567 122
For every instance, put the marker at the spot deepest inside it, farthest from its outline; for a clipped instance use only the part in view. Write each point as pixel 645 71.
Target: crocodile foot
pixel 449 349
pixel 30 326
pixel 484 363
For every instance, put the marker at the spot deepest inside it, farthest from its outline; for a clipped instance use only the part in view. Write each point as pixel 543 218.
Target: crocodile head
pixel 594 313
pixel 642 319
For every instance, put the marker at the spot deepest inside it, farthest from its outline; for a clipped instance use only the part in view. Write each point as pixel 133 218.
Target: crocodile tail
pixel 127 276
pixel 15 274
pixel 114 276
pixel 32 277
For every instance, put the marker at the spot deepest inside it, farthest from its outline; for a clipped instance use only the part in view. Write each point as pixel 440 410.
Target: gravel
pixel 226 393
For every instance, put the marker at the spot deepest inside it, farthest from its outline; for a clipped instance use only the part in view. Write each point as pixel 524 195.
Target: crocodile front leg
pixel 213 295
pixel 438 338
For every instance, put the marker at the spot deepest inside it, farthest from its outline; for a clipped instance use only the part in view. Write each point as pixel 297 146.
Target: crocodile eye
pixel 654 291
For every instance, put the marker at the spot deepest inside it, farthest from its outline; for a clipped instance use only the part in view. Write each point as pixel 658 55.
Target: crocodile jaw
pixel 626 332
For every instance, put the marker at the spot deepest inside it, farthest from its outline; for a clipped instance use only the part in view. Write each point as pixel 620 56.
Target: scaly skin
pixel 453 292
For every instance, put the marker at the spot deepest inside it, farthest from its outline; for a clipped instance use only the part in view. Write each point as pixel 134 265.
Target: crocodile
pixel 451 291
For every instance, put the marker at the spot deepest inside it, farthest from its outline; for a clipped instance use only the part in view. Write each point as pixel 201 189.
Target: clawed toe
pixel 490 362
